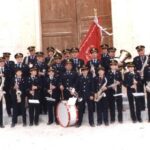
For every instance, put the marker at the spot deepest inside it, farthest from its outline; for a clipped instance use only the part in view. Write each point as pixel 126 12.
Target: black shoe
pixel 24 124
pixel 36 123
pixel 106 124
pixel 12 125
pixel 31 124
pixel 2 126
pixel 99 124
pixel 134 121
pixel 92 124
pixel 120 121
pixel 112 121
pixel 78 125
pixel 49 123
pixel 140 120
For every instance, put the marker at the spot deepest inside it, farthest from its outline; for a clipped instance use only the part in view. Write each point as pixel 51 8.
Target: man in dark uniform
pixel 66 55
pixel 33 94
pixel 106 60
pixel 42 69
pixel 85 90
pixel 147 84
pixel 2 92
pixel 52 92
pixel 18 93
pixel 139 62
pixel 57 65
pixel 100 83
pixel 77 63
pixel 49 57
pixel 94 63
pixel 114 77
pixel 132 81
pixel 9 65
pixel 104 48
pixel 20 65
pixel 67 80
pixel 31 59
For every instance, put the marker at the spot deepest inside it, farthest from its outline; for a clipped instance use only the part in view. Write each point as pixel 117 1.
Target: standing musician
pixel 132 82
pixel 85 90
pixel 139 61
pixel 31 59
pixel 67 80
pixel 104 48
pixel 147 85
pixel 58 66
pixel 106 60
pixel 2 92
pixel 100 83
pixel 94 63
pixel 9 65
pixel 50 53
pixel 66 55
pixel 52 93
pixel 20 65
pixel 18 92
pixel 77 63
pixel 33 94
pixel 42 69
pixel 114 78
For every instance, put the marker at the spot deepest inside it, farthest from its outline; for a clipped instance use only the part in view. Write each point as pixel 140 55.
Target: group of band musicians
pixel 97 82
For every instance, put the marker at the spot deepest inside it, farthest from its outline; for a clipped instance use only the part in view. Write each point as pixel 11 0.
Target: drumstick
pixel 62 95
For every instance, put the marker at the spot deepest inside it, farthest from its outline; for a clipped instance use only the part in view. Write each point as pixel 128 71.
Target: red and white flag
pixel 92 39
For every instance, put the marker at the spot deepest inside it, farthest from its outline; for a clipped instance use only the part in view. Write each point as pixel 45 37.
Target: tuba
pixel 124 55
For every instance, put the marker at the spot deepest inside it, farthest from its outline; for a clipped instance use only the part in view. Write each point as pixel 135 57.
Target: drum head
pixel 63 114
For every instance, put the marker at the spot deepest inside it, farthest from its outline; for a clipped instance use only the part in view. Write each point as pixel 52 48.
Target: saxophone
pixel 18 92
pixel 100 94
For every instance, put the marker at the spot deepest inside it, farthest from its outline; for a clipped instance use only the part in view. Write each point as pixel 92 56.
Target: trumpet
pixel 100 94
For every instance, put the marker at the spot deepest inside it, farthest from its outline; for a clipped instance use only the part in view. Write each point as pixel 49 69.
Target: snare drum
pixel 67 115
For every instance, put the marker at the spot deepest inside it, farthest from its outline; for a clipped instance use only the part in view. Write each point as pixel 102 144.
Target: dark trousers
pixel 148 104
pixel 43 103
pixel 102 111
pixel 81 109
pixel 1 112
pixel 34 110
pixel 112 101
pixel 135 107
pixel 8 102
pixel 142 98
pixel 50 108
pixel 18 108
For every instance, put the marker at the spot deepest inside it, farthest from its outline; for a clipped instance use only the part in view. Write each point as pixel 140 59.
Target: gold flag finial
pixel 95 12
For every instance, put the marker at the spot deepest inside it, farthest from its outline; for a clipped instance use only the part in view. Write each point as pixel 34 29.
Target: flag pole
pixel 95 12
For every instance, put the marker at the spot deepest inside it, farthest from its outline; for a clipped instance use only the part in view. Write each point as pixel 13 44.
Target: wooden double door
pixel 65 22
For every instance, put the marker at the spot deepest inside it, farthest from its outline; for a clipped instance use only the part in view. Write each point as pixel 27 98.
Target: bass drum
pixel 67 115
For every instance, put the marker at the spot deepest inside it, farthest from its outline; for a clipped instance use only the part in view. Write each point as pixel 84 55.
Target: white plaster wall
pixel 19 25
pixel 131 24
